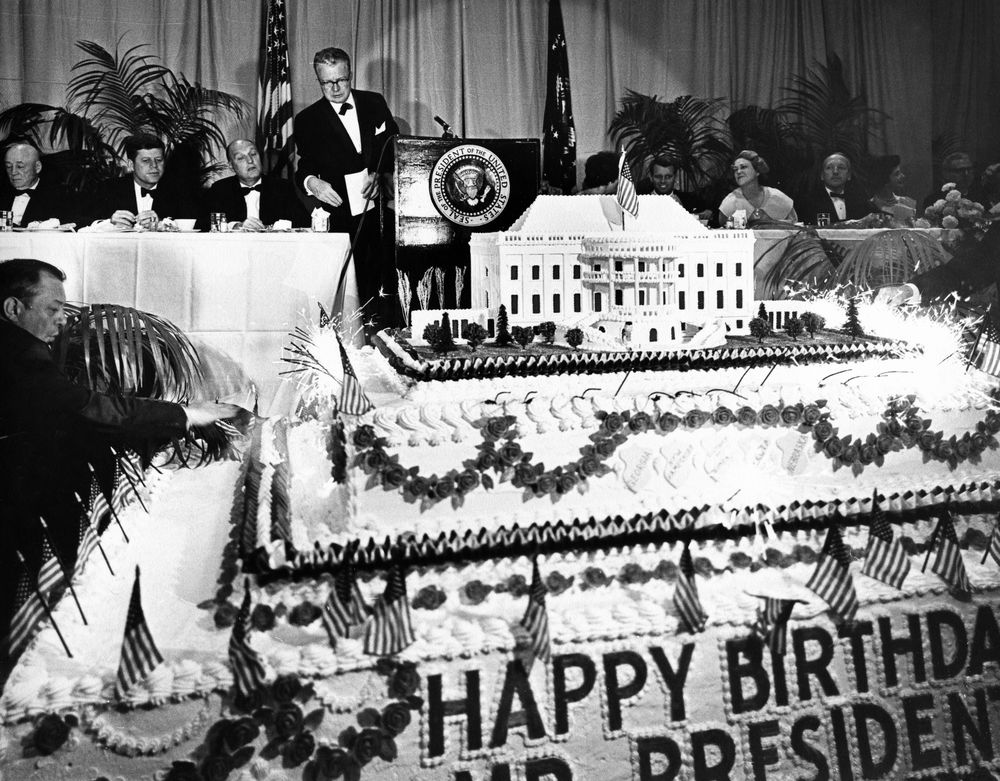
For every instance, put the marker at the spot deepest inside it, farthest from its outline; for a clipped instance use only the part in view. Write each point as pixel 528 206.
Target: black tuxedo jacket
pixel 45 202
pixel 325 149
pixel 818 201
pixel 120 194
pixel 278 201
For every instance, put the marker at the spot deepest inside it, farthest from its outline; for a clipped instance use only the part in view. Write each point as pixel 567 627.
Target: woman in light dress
pixel 756 200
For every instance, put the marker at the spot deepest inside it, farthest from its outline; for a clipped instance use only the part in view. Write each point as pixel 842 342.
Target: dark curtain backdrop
pixel 480 64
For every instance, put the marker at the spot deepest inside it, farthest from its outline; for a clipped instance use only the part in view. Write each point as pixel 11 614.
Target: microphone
pixel 448 132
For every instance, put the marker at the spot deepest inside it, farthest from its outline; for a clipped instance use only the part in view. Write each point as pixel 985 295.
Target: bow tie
pixel 344 108
pixel 245 190
pixel 836 195
pixel 23 192
pixel 143 192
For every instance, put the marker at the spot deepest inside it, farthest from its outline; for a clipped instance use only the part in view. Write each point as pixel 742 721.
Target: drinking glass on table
pixel 217 222
pixel 6 220
pixel 823 220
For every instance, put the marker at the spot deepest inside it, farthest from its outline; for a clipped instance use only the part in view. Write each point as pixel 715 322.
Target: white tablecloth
pixel 238 294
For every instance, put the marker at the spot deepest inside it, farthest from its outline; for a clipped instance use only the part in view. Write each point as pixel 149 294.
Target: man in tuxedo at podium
pixel 24 192
pixel 343 141
pixel 250 198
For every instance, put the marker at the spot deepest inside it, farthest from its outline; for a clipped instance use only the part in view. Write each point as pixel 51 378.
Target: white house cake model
pixel 650 282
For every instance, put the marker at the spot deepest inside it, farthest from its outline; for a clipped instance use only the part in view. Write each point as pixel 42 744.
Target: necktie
pixel 143 192
pixel 255 188
pixel 344 108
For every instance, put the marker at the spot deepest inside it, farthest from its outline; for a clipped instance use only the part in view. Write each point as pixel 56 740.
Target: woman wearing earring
pixel 888 182
pixel 758 201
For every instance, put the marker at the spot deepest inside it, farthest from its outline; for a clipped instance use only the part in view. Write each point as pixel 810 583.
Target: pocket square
pixel 380 129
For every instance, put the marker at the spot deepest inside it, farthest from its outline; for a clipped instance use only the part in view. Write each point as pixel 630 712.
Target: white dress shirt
pixel 20 204
pixel 839 204
pixel 253 201
pixel 349 119
pixel 144 203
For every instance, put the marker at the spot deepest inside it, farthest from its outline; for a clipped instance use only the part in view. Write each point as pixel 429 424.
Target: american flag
pixel 353 400
pixel 885 558
pixel 27 615
pixel 993 549
pixel 772 620
pixel 128 478
pixel 389 630
pixel 248 670
pixel 50 574
pixel 99 507
pixel 345 606
pixel 88 541
pixel 536 618
pixel 627 197
pixel 274 92
pixel 832 579
pixel 985 352
pixel 140 656
pixel 281 513
pixel 948 561
pixel 686 594
pixel 559 142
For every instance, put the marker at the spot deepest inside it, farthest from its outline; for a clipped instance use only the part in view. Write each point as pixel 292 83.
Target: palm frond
pixel 25 119
pixel 803 259
pixel 121 350
pixel 890 257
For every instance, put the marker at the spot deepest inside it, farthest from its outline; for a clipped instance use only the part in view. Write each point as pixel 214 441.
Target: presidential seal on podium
pixel 470 185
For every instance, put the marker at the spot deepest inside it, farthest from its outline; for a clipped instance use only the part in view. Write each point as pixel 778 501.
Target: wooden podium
pixel 449 188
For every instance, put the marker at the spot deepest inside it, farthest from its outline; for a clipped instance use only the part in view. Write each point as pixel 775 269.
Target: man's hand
pixel 370 190
pixel 147 220
pixel 203 413
pixel 252 225
pixel 123 218
pixel 324 191
pixel 897 295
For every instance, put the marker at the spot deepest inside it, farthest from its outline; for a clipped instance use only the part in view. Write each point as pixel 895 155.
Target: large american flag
pixel 248 670
pixel 772 619
pixel 536 617
pixel 885 558
pixel 985 353
pixel 390 630
pixel 832 579
pixel 140 656
pixel 948 561
pixel 559 152
pixel 274 93
pixel 627 197
pixel 345 607
pixel 353 400
pixel 686 594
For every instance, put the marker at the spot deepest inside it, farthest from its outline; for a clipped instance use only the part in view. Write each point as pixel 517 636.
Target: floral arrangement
pixel 956 213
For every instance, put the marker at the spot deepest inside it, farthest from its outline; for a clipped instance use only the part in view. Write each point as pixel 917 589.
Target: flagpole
pixel 62 566
pixel 930 547
pixel 45 605
pixel 979 336
pixel 97 537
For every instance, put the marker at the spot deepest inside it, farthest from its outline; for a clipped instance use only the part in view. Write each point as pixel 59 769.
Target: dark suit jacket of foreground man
pixel 278 201
pixel 50 429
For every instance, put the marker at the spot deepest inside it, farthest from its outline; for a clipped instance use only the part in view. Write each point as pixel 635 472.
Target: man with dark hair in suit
pixel 251 199
pixel 835 195
pixel 341 139
pixel 662 180
pixel 49 426
pixel 138 200
pixel 24 193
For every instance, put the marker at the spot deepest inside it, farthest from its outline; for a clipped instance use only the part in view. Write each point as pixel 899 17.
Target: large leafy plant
pixel 113 95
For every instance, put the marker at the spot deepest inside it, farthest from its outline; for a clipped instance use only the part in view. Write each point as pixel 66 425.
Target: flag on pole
pixel 993 549
pixel 274 93
pixel 128 478
pixel 686 594
pixel 885 558
pixel 389 630
pixel 832 579
pixel 248 670
pixel 985 353
pixel 87 542
pixel 98 504
pixel 536 618
pixel 140 656
pixel 50 573
pixel 27 614
pixel 559 151
pixel 627 197
pixel 948 561
pixel 772 620
pixel 353 400
pixel 345 607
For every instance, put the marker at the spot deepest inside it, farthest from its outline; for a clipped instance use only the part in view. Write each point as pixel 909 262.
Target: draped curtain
pixel 480 64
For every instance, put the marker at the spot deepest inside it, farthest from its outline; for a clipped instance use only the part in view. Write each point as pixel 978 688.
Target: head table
pixel 238 295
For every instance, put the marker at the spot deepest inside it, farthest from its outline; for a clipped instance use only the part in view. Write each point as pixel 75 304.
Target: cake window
pixel 513 305
pixel 555 272
pixel 618 298
pixel 739 323
pixel 577 303
pixel 556 303
pixel 642 265
pixel 536 304
pixel 739 301
pixel 680 300
pixel 597 302
pixel 718 269
pixel 536 272
pixel 618 265
pixel 576 271
pixel 513 272
pixel 701 269
pixel 719 299
pixel 739 269
pixel 680 270
pixel 701 299
pixel 652 334
pixel 642 298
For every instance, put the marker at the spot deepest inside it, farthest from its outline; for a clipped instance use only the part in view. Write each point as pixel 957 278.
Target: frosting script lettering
pixel 881 698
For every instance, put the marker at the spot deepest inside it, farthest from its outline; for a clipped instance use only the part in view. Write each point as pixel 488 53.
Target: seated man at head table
pixel 50 427
pixel 663 177
pixel 834 195
pixel 250 199
pixel 25 192
pixel 139 200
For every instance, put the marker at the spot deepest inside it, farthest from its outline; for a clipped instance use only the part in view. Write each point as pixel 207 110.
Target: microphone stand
pixel 338 297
